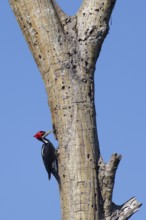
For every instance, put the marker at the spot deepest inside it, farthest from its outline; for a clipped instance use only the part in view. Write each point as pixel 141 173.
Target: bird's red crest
pixel 39 134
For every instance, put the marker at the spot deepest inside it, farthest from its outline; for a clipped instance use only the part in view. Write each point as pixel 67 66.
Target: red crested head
pixel 39 135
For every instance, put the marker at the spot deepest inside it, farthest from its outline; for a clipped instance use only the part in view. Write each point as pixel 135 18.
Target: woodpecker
pixel 49 154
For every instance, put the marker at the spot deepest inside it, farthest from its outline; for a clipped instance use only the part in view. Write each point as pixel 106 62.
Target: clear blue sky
pixel 25 192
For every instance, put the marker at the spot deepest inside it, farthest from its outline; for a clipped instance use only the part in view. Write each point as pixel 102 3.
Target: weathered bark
pixel 106 177
pixel 66 49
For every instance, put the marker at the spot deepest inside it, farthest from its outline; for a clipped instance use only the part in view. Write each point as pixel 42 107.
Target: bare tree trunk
pixel 66 49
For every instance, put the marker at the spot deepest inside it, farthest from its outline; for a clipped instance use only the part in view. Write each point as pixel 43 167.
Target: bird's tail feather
pixel 55 174
pixel 49 176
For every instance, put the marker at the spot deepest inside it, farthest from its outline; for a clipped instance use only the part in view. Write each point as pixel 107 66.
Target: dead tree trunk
pixel 66 49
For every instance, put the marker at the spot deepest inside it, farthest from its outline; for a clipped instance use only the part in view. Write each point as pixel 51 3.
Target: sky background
pixel 120 79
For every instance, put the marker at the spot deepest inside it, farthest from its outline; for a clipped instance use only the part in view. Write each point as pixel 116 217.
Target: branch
pixel 126 210
pixel 42 29
pixel 91 10
pixel 106 178
pixel 99 6
pixel 93 25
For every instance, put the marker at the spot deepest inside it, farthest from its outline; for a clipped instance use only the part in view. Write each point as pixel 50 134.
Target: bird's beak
pixel 47 133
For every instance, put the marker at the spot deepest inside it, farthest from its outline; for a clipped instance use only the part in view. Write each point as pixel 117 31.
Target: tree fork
pixel 65 49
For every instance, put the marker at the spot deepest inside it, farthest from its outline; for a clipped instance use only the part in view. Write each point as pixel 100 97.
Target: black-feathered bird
pixel 49 154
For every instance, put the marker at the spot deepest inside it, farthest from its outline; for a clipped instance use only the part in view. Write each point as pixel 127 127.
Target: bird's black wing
pixel 48 155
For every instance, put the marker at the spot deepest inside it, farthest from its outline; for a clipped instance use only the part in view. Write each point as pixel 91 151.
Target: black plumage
pixel 49 154
pixel 49 159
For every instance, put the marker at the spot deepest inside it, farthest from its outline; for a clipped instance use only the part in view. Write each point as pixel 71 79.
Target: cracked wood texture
pixel 66 49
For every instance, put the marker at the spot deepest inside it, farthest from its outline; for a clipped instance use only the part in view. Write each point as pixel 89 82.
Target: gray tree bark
pixel 66 49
